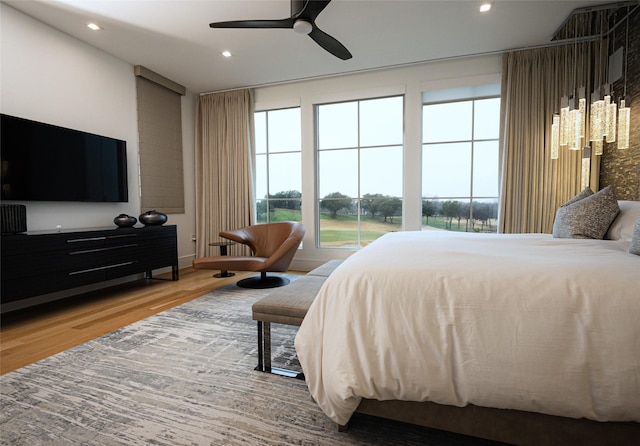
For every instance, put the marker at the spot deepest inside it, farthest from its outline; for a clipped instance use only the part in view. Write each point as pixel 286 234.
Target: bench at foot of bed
pixel 287 305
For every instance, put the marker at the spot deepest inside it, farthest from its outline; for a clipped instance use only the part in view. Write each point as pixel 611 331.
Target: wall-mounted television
pixel 43 162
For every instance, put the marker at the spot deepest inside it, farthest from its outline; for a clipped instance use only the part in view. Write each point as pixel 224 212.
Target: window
pixel 359 170
pixel 160 142
pixel 278 165
pixel 460 165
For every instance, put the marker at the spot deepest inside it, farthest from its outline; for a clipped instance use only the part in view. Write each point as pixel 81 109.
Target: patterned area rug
pixel 183 377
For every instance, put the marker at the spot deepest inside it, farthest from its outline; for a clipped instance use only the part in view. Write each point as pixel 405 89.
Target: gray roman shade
pixel 160 142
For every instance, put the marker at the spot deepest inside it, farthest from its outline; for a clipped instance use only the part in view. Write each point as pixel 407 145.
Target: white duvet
pixel 524 322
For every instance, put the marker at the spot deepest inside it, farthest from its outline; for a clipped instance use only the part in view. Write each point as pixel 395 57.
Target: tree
pixel 450 209
pixel 485 212
pixel 335 202
pixel 429 209
pixel 464 212
pixel 371 203
pixel 288 200
pixel 390 207
pixel 261 210
pixel 481 212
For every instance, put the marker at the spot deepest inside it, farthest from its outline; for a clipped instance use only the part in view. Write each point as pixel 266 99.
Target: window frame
pixel 471 197
pixel 267 154
pixel 358 199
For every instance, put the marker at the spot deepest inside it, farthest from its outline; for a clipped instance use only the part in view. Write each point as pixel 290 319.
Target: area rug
pixel 183 377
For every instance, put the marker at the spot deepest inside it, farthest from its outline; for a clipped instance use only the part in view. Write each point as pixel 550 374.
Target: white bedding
pixel 523 322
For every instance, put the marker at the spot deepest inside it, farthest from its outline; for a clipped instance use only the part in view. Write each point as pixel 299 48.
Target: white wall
pixel 410 81
pixel 51 77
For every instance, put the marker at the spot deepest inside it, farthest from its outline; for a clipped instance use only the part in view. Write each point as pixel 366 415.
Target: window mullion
pixel 473 135
pixel 267 159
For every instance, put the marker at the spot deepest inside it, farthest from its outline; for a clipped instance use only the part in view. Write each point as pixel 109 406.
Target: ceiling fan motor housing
pixel 302 26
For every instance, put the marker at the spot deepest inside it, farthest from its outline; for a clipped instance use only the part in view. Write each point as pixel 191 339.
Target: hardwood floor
pixel 32 334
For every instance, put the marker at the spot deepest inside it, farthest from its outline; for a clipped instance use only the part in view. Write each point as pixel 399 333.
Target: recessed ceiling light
pixel 485 7
pixel 226 53
pixel 93 26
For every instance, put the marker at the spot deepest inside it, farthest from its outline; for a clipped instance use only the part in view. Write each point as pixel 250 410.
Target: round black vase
pixel 153 218
pixel 125 221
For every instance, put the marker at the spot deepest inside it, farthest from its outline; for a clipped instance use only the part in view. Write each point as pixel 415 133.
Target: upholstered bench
pixel 287 305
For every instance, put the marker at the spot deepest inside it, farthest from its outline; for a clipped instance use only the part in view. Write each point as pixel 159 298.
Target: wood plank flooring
pixel 32 334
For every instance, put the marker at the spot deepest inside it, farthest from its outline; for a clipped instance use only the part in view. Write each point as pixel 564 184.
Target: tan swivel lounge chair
pixel 273 246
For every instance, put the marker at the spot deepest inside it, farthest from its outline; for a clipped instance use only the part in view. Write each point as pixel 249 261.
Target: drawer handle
pixel 88 239
pixel 86 251
pixel 93 239
pixel 90 270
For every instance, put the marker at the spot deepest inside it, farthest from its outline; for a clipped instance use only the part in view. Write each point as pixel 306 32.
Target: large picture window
pixel 460 165
pixel 278 165
pixel 359 170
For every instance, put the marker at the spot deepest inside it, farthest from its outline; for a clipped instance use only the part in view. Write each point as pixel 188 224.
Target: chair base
pixel 262 282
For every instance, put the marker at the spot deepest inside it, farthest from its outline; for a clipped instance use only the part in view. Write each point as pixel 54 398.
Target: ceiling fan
pixel 302 21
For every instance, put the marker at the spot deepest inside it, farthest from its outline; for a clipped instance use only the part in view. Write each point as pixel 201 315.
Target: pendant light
pixel 624 114
pixel 555 137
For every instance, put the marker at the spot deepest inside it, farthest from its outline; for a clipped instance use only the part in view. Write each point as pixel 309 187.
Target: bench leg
pixel 264 354
pixel 264 346
pixel 260 366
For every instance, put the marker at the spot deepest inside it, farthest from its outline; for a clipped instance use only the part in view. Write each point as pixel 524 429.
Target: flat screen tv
pixel 43 162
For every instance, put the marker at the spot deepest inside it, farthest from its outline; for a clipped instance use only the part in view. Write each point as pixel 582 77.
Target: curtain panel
pixel 225 153
pixel 533 185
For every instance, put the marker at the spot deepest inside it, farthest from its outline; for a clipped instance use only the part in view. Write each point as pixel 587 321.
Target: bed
pixel 526 339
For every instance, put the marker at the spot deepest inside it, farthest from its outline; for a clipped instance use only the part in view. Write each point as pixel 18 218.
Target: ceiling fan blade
pixel 281 23
pixel 312 9
pixel 329 43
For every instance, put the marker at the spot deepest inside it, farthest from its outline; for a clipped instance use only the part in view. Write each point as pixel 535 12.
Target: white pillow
pixel 623 225
pixel 635 241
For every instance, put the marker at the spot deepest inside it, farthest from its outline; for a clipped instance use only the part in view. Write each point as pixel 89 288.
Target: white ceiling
pixel 173 37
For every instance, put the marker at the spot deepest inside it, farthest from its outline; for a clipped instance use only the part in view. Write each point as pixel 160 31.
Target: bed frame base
pixel 508 426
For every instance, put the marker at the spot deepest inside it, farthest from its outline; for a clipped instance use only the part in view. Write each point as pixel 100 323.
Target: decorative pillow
pixel 584 193
pixel 622 226
pixel 635 240
pixel 588 217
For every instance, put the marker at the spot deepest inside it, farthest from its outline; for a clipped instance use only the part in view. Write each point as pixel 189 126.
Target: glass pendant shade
pixel 573 130
pixel 582 109
pixel 564 116
pixel 586 168
pixel 597 147
pixel 605 127
pixel 555 137
pixel 609 128
pixel 623 126
pixel 611 122
pixel 596 124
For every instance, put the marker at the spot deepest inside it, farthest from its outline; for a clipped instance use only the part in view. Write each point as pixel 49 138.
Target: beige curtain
pixel 532 184
pixel 225 152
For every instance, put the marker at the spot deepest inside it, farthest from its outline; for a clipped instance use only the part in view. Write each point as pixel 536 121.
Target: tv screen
pixel 43 162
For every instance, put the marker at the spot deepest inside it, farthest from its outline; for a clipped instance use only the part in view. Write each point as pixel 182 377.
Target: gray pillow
pixel 587 217
pixel 635 240
pixel 584 193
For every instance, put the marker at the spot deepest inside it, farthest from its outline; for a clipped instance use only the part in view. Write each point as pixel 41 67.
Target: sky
pixel 376 125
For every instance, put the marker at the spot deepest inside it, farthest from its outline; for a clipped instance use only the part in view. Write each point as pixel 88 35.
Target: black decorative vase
pixel 153 218
pixel 125 221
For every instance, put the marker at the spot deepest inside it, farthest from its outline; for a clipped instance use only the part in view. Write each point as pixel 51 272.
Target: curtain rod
pixel 423 62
